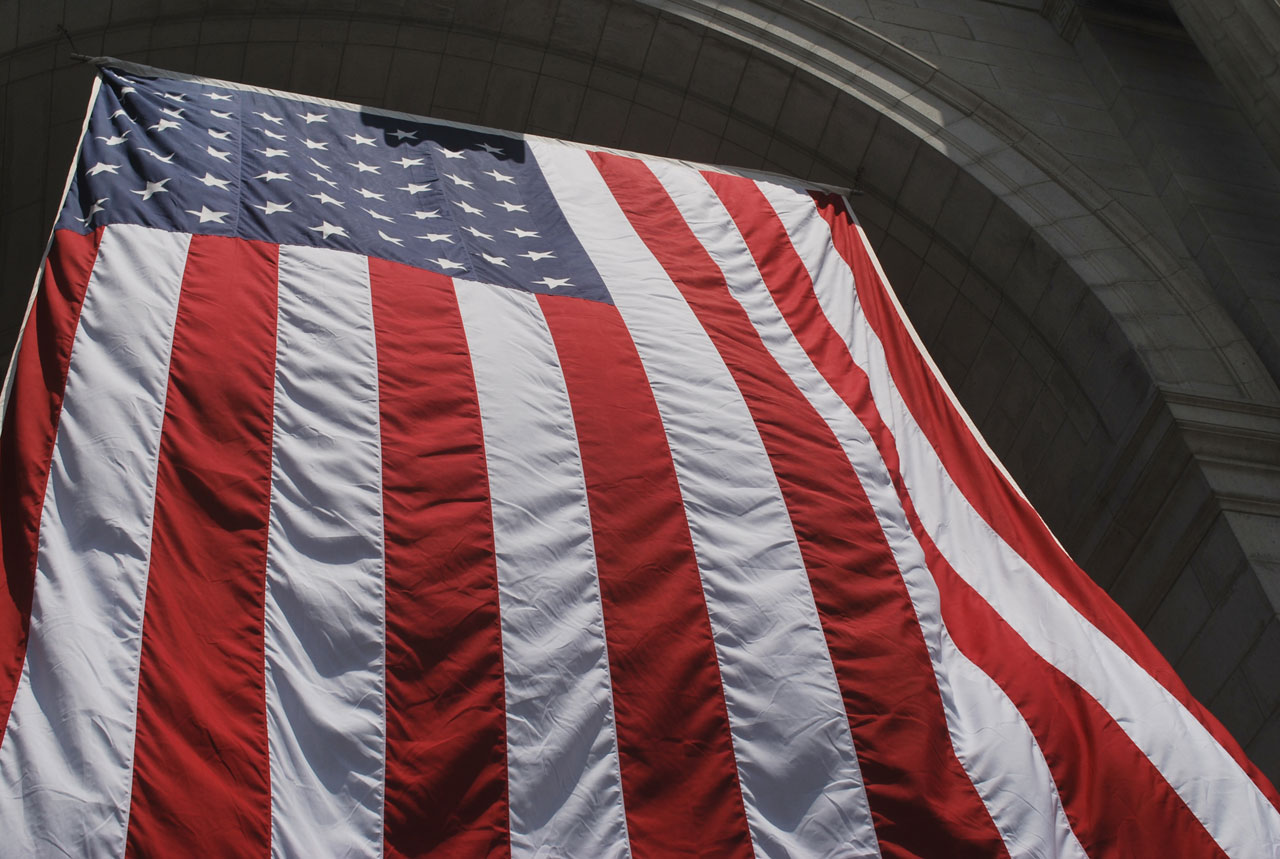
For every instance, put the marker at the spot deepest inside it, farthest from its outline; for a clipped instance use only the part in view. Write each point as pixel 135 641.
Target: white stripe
pixel 564 779
pixel 66 767
pixel 1205 776
pixel 799 775
pixel 990 738
pixel 324 602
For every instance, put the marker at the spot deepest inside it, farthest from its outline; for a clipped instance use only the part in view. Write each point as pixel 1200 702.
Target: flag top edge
pixel 763 175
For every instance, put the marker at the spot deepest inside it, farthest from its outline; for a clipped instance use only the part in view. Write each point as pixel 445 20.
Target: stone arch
pixel 1092 356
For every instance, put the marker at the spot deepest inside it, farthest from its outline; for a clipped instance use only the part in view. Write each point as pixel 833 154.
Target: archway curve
pixel 1079 343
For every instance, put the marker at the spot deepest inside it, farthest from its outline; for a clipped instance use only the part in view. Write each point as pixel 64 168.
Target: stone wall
pixel 1076 211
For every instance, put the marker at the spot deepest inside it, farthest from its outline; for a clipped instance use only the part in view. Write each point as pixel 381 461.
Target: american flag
pixel 379 486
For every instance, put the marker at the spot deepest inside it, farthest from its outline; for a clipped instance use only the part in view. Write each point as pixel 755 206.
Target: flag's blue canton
pixel 189 156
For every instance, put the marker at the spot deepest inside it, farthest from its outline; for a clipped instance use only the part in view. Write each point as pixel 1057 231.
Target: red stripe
pixel 1090 757
pixel 446 768
pixel 1117 801
pixel 921 799
pixel 200 757
pixel 26 448
pixel 990 493
pixel 679 777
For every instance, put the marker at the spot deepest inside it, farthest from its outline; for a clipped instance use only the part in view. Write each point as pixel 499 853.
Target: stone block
pixel 1260 667
pixel 888 157
pixel 268 65
pixel 928 20
pixel 411 80
pixel 625 37
pixel 1232 630
pixel 507 97
pixel 848 132
pixel 693 143
pixel 555 106
pixel 566 68
pixel 225 61
pixel 805 111
pixel 673 51
pixel 365 73
pixel 761 90
pixel 460 84
pixel 964 212
pixel 267 28
pixel 999 243
pixel 534 20
pixel 577 26
pixel 930 302
pixel 315 67
pixel 1036 436
pixel 603 118
pixel 648 130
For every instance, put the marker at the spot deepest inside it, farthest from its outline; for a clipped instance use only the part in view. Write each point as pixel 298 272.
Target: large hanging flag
pixel 379 486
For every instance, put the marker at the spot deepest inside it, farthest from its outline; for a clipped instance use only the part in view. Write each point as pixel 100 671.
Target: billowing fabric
pixel 373 486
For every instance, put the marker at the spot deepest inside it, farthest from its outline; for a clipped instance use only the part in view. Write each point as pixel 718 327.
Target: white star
pixel 163 124
pixel 271 176
pixel 329 229
pixel 95 209
pixel 321 164
pixel 121 112
pixel 175 112
pixel 315 144
pixel 128 89
pixel 537 255
pixel 103 168
pixel 449 153
pixel 173 96
pixel 156 155
pixel 408 162
pixel 152 189
pixel 327 200
pixel 221 114
pixel 501 177
pixel 401 134
pixel 434 213
pixel 446 263
pixel 312 117
pixel 478 234
pixel 394 241
pixel 269 118
pixel 360 139
pixel 223 156
pixel 212 181
pixel 492 150
pixel 371 195
pixel 219 135
pixel 216 97
pixel 272 134
pixel 115 139
pixel 320 177
pixel 365 168
pixel 436 237
pixel 524 234
pixel 379 215
pixel 205 214
pixel 468 208
pixel 553 282
pixel 513 207
pixel 415 189
pixel 271 208
pixel 273 153
pixel 495 260
pixel 458 180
